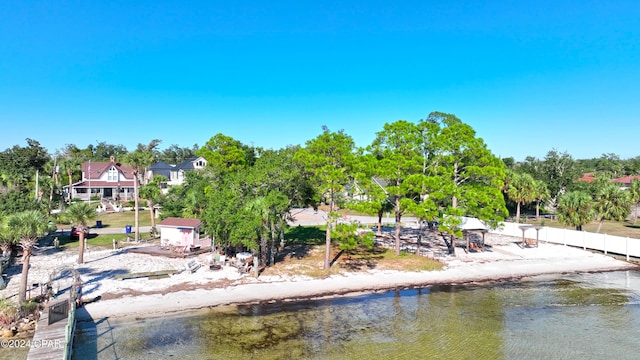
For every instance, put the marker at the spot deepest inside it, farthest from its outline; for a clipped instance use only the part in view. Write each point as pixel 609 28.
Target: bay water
pixel 574 316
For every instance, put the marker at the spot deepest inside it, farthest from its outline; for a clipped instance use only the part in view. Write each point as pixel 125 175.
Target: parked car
pixel 75 233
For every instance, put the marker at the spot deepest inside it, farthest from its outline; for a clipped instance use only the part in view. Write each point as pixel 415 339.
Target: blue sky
pixel 528 76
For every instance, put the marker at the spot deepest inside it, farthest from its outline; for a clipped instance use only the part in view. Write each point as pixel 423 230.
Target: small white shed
pixel 182 232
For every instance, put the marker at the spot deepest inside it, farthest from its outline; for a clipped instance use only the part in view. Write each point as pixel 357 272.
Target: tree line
pixel 436 169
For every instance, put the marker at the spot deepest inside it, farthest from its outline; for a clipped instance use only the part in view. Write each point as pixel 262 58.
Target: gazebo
pixel 469 225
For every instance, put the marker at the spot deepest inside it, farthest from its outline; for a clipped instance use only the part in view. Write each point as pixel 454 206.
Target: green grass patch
pixel 308 235
pixel 121 219
pixel 102 240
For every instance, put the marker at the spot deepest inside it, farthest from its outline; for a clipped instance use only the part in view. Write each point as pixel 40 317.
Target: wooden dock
pixel 50 341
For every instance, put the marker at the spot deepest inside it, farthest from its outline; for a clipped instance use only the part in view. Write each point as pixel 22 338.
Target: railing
pixel 70 328
pixel 630 247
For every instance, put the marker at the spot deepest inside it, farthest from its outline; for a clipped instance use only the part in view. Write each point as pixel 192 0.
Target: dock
pixel 54 341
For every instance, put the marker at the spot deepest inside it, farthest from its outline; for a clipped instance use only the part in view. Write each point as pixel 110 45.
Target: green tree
pixel 634 193
pixel 175 154
pixel 540 195
pixel 140 160
pixel 18 165
pixel 471 176
pixel 575 208
pixel 350 237
pixel 153 193
pixel 611 203
pixel 6 241
pixel 368 195
pixel 80 214
pixel 224 153
pixel 329 159
pixel 521 190
pixel 558 171
pixel 26 227
pixel 398 151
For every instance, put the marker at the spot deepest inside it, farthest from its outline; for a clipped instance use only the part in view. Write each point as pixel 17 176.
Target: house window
pixel 200 163
pixel 112 174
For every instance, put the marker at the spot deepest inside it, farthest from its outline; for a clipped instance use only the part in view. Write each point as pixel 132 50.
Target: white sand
pixel 210 288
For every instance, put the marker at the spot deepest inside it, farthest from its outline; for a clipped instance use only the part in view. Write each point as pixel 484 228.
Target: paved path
pixel 308 216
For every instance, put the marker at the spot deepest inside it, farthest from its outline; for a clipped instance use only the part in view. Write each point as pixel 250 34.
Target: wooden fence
pixel 629 247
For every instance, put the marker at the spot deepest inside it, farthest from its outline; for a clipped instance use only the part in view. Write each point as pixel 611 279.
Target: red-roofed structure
pixel 182 232
pixel 625 181
pixel 588 177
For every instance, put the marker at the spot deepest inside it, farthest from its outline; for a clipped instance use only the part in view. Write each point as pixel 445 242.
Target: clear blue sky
pixel 528 76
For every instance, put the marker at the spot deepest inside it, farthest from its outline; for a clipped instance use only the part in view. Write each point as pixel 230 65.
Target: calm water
pixel 586 316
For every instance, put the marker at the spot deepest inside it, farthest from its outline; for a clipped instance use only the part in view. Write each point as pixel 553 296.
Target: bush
pixel 28 307
pixel 8 312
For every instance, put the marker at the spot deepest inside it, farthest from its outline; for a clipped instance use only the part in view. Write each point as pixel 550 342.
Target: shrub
pixel 8 312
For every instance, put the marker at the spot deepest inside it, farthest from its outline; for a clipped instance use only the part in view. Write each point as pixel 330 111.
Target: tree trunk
pixel 599 225
pixel 136 211
pixel 70 185
pixel 538 211
pixel 397 228
pixel 518 212
pixel 635 215
pixel 272 249
pixel 380 214
pixel 26 256
pixel 152 212
pixel 81 248
pixel 327 251
pixel 263 250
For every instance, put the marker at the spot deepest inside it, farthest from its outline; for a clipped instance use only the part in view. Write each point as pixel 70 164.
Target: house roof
pixel 188 164
pixel 625 179
pixel 588 177
pixel 100 167
pixel 180 222
pixel 160 165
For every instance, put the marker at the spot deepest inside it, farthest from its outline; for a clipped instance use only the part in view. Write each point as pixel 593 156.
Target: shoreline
pixel 546 260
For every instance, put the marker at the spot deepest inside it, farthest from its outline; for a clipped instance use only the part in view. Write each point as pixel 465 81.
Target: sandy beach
pixel 503 260
pixel 204 288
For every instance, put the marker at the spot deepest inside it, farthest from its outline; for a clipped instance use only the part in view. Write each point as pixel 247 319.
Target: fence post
pixel 564 236
pixel 584 244
pixel 604 243
pixel 626 243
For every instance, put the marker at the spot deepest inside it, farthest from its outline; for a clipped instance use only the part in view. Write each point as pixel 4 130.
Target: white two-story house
pixel 175 173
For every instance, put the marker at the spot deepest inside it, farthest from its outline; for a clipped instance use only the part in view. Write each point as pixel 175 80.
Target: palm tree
pixel 152 193
pixel 540 195
pixel 575 208
pixel 521 190
pixel 26 227
pixel 634 193
pixel 80 214
pixel 140 160
pixel 612 203
pixel 69 165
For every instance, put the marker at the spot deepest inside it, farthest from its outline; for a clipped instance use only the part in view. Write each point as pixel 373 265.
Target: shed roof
pixel 180 222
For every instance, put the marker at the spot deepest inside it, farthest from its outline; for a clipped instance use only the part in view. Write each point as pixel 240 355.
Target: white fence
pixel 630 247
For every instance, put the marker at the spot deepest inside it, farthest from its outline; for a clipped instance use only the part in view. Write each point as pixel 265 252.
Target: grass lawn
pixel 118 219
pixel 121 219
pixel 102 240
